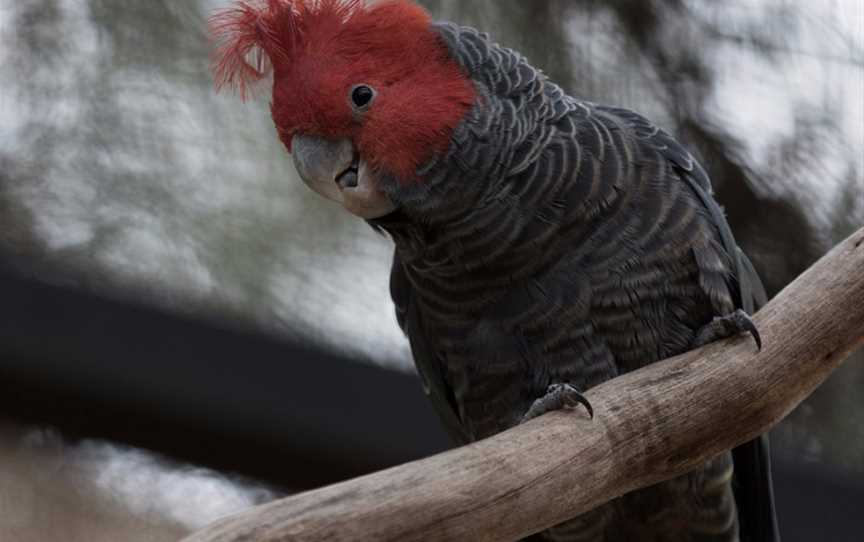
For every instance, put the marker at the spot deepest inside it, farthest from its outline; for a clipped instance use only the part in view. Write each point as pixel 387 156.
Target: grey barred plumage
pixel 563 241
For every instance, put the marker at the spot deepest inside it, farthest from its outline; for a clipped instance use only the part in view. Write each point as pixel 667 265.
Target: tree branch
pixel 649 426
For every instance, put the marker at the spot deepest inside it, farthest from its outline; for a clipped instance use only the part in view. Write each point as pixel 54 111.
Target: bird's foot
pixel 724 327
pixel 558 396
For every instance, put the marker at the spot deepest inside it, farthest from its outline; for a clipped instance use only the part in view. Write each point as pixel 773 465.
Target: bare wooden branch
pixel 649 425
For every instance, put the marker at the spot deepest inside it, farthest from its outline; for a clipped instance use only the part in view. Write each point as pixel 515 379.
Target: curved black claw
pixel 558 396
pixel 750 327
pixel 724 327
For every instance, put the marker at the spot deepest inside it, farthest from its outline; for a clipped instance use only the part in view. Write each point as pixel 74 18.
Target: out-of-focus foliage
pixel 120 164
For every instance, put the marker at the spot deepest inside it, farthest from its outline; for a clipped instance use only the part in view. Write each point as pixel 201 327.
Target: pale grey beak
pixel 333 169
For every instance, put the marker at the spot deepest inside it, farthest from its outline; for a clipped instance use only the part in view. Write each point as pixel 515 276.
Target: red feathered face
pixel 378 77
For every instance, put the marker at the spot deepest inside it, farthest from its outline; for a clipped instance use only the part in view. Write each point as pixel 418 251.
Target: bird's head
pixel 362 94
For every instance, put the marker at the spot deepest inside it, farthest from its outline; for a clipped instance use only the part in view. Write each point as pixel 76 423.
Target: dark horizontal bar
pixel 235 400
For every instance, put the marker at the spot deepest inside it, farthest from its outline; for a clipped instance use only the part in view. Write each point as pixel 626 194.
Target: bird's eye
pixel 362 96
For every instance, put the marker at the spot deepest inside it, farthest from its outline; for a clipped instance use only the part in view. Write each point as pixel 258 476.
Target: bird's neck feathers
pixel 465 213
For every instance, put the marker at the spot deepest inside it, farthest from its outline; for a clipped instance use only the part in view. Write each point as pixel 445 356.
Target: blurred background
pixel 186 330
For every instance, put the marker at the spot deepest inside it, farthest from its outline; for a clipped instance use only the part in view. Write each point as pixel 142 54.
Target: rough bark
pixel 649 425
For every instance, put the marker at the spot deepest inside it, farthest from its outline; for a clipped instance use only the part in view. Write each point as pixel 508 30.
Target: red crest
pixel 318 50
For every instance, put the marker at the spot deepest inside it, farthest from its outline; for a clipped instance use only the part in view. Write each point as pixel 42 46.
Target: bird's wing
pixel 429 365
pixel 747 290
pixel 752 483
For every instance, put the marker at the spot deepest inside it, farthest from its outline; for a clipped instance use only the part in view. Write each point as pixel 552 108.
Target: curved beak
pixel 334 169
